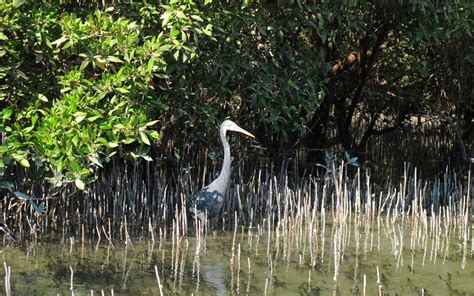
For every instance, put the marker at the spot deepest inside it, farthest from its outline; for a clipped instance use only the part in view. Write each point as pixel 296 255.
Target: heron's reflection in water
pixel 213 273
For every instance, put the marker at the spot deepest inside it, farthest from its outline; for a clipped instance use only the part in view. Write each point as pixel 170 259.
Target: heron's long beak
pixel 241 130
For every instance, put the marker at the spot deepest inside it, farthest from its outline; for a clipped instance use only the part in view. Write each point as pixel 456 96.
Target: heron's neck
pixel 225 171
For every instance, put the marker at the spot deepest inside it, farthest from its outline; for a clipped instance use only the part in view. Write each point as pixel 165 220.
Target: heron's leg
pixel 214 223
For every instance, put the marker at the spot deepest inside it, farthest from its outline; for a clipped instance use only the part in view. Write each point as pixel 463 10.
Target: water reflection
pixel 350 259
pixel 213 273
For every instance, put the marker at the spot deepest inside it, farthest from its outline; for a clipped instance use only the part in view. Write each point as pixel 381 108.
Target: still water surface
pixel 388 259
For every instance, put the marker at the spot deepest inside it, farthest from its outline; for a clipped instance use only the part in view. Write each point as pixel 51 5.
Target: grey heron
pixel 210 198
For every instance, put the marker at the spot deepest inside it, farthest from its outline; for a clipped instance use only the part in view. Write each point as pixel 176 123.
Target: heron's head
pixel 229 125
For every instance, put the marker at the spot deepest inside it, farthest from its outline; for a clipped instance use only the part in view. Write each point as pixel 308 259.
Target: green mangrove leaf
pixel 21 195
pixel 38 208
pixel 151 123
pixel 18 3
pixel 84 65
pixel 353 161
pixel 7 185
pixel 166 17
pixel 6 113
pixel 96 161
pixel 80 118
pixel 128 140
pixel 144 138
pixel 93 118
pixel 42 98
pixel 122 90
pixel 79 184
pixel 58 42
pixel 24 162
pixel 114 59
pixel 154 134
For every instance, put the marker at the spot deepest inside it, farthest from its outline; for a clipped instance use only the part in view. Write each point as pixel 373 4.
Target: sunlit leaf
pixel 166 17
pixel 24 162
pixel 176 55
pixel 42 98
pixel 128 140
pixel 18 3
pixel 197 17
pixel 59 41
pixel 6 113
pixel 150 123
pixel 147 158
pixel 144 138
pixel 114 59
pixel 154 134
pixel 79 184
pixel 78 119
pixel 122 90
pixel 96 161
pixel 84 65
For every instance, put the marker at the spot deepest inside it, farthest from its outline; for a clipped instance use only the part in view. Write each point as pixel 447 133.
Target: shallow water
pixel 250 262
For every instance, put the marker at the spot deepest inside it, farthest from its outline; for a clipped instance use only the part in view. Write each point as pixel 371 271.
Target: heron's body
pixel 209 200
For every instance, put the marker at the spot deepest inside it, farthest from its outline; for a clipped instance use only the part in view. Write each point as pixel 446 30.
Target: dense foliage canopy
pixel 80 84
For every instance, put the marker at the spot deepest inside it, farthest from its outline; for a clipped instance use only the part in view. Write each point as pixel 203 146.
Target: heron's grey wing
pixel 207 199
